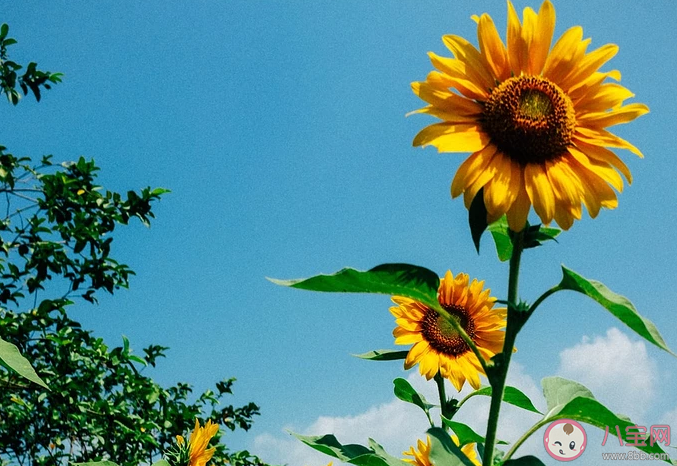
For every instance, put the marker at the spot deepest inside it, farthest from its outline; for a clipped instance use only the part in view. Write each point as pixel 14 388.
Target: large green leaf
pixel 567 399
pixel 161 462
pixel 477 218
pixel 465 433
pixel 11 358
pixel 383 355
pixel 352 453
pixel 512 396
pixel 443 452
pixel 407 280
pixel 618 305
pixel 405 392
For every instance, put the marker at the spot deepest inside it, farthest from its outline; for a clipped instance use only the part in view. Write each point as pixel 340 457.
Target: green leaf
pixel 407 280
pixel 100 463
pixel 352 453
pixel 443 451
pixel 618 305
pixel 501 234
pixel 524 461
pixel 570 400
pixel 465 433
pixel 405 392
pixel 477 218
pixel 11 358
pixel 383 355
pixel 162 462
pixel 512 396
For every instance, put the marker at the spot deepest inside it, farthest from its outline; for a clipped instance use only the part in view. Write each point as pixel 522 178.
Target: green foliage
pixel 11 359
pixel 101 406
pixel 360 455
pixel 567 399
pixel 406 280
pixel 511 395
pixel 465 433
pixel 532 236
pixel 405 392
pixel 618 305
pixel 383 355
pixel 32 79
pixel 444 451
pixel 525 461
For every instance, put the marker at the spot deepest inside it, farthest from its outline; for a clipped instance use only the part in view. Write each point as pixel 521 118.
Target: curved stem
pixel 542 298
pixel 462 333
pixel 499 374
pixel 524 437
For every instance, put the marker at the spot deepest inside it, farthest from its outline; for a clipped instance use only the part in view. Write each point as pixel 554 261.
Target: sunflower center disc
pixel 530 119
pixel 441 334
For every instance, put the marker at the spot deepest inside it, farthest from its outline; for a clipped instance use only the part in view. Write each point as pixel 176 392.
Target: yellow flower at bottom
pixel 437 346
pixel 535 119
pixel 198 442
pixel 422 456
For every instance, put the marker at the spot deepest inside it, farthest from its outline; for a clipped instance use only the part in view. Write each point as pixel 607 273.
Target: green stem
pixel 523 438
pixel 462 333
pixel 500 372
pixel 542 298
pixel 439 380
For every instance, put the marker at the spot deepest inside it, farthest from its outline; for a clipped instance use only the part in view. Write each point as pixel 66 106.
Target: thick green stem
pixel 444 404
pixel 500 371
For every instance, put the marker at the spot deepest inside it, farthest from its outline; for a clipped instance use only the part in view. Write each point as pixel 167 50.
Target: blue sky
pixel 280 129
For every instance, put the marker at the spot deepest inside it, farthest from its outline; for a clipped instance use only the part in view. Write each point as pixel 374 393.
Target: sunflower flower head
pixel 195 451
pixel 437 346
pixel 421 456
pixel 534 117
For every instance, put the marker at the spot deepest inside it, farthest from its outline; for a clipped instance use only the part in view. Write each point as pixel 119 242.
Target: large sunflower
pixel 422 456
pixel 534 118
pixel 437 346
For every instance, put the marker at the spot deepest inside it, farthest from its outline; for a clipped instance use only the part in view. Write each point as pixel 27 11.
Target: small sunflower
pixel 534 118
pixel 194 452
pixel 437 346
pixel 422 456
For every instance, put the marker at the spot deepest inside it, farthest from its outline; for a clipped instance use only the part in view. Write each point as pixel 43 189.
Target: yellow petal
pixel 519 211
pixel 601 137
pixel 604 155
pixel 621 115
pixel 464 51
pixel 517 49
pixel 471 169
pixel 415 353
pixel 557 62
pixel 460 76
pixel 589 64
pixel 540 192
pixel 451 137
pixel 601 97
pixel 542 38
pixel 435 92
pixel 492 48
pixel 601 169
pixel 501 191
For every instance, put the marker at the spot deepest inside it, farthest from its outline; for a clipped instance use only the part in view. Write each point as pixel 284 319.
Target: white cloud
pixel 618 371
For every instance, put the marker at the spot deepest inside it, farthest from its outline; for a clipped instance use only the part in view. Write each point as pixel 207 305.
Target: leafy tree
pixel 56 227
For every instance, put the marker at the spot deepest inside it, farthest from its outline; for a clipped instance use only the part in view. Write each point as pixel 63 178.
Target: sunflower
pixel 437 346
pixel 534 118
pixel 194 452
pixel 422 456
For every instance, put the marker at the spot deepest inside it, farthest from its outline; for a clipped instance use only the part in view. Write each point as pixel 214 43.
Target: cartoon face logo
pixel 565 440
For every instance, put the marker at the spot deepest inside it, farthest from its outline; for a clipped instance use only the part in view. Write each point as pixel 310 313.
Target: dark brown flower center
pixel 441 334
pixel 530 119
